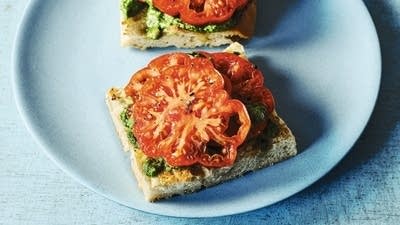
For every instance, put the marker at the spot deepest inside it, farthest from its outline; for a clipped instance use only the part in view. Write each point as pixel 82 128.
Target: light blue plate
pixel 321 60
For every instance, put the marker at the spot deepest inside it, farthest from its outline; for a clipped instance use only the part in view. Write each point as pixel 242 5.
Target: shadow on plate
pixel 284 22
pixel 301 115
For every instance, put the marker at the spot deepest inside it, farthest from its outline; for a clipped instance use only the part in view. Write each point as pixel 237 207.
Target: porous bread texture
pixel 133 33
pixel 252 155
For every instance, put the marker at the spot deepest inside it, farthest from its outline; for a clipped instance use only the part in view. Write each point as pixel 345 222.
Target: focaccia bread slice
pixel 133 32
pixel 158 180
pixel 275 144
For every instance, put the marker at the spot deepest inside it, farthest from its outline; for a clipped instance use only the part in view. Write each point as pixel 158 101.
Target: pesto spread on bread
pixel 157 21
pixel 152 167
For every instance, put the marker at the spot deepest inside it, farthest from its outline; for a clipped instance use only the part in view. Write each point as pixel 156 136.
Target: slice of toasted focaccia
pixel 149 28
pixel 159 180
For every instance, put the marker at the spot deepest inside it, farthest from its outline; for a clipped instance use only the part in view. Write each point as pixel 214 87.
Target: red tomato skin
pixel 200 12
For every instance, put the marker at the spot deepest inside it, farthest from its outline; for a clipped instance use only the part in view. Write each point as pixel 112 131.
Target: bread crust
pixel 133 33
pixel 252 155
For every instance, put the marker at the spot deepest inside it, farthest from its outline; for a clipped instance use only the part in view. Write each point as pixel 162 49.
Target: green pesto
pixel 132 139
pixel 257 112
pixel 153 23
pixel 272 129
pixel 167 21
pixel 153 167
pixel 130 8
pixel 128 124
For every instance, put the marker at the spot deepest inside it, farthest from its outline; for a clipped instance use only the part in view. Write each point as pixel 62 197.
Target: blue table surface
pixel 364 188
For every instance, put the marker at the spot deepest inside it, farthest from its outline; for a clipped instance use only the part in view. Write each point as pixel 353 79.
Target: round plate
pixel 321 60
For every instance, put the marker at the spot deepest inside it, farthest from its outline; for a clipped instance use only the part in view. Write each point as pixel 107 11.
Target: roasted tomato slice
pixel 154 69
pixel 200 12
pixel 184 112
pixel 247 82
pixel 168 60
pixel 170 7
